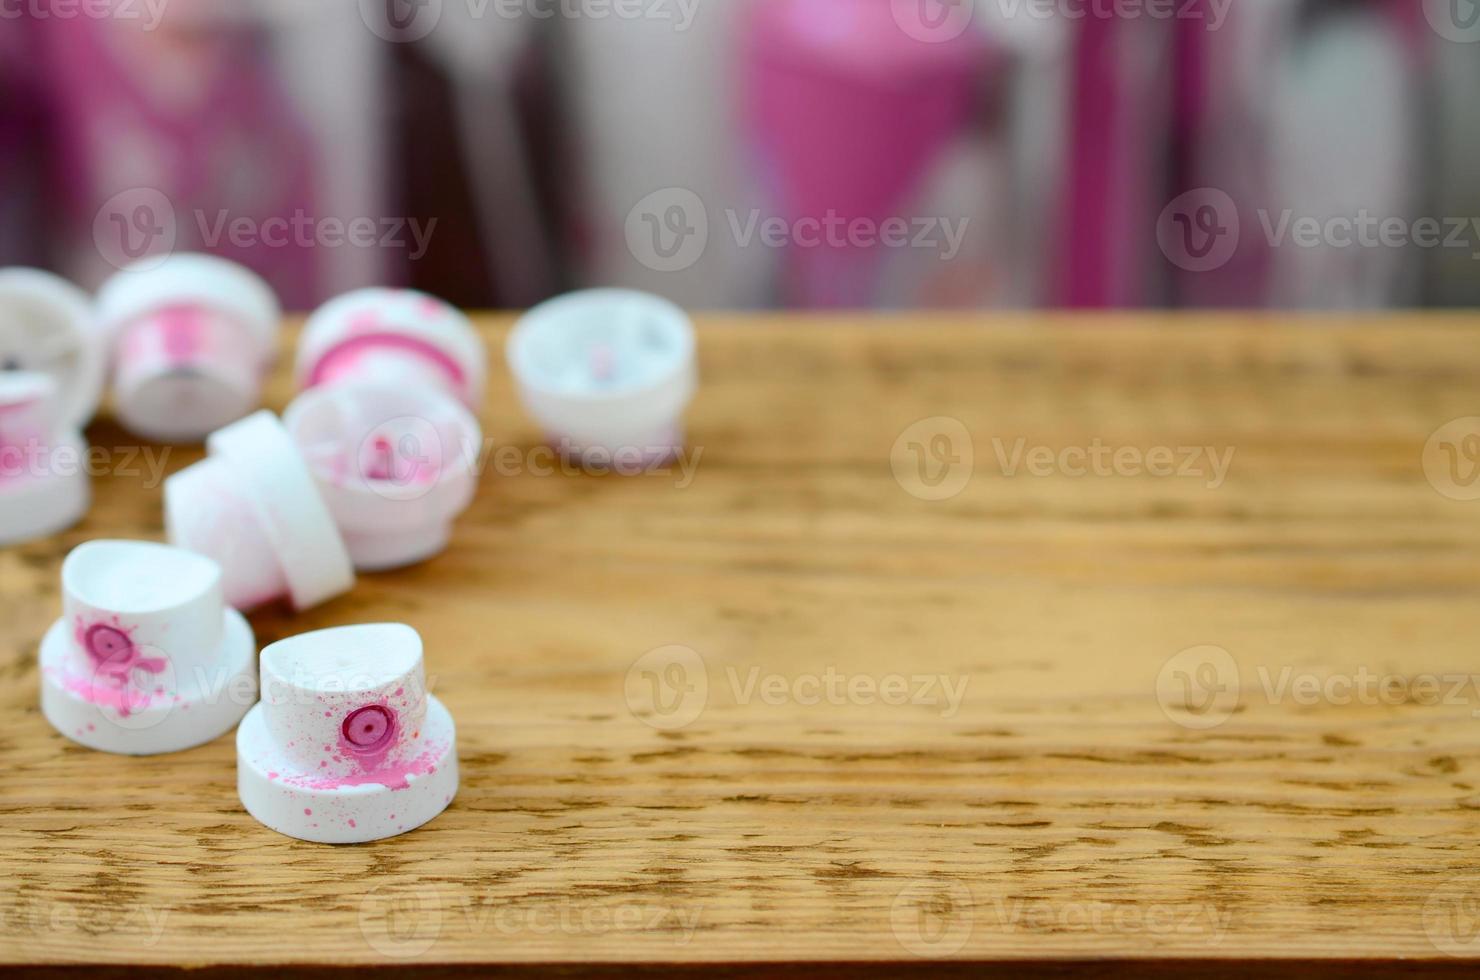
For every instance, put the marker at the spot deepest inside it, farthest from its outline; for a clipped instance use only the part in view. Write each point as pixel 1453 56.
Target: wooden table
pixel 1075 712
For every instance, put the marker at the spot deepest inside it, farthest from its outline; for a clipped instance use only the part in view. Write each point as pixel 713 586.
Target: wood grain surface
pixel 1093 714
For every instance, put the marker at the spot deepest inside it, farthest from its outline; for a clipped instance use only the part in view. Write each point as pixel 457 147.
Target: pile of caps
pixel 366 470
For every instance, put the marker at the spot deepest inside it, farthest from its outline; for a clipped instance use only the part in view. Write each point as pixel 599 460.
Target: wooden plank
pixel 1043 802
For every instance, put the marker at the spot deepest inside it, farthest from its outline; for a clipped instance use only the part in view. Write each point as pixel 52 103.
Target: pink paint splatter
pixel 396 776
pixel 182 330
pixel 369 338
pixel 111 647
pixel 109 693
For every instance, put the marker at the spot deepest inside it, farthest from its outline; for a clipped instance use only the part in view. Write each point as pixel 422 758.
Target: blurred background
pixel 758 153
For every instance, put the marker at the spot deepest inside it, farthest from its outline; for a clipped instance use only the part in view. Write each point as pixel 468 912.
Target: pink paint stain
pixel 384 463
pixel 109 694
pixel 396 776
pixel 363 323
pixel 182 330
pixel 603 363
pixel 340 360
pixel 115 657
pixel 112 649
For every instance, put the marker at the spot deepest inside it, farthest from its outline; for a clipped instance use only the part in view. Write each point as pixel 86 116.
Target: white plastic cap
pixel 612 369
pixel 146 657
pixel 44 486
pixel 192 337
pixel 253 506
pixel 189 278
pixel 395 463
pixel 347 745
pixel 397 336
pixel 48 325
